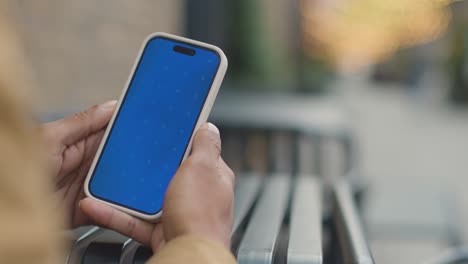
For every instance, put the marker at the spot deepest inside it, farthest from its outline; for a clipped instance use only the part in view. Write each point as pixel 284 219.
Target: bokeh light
pixel 354 33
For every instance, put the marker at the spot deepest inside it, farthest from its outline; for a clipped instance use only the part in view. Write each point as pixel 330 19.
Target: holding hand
pixel 199 200
pixel 72 143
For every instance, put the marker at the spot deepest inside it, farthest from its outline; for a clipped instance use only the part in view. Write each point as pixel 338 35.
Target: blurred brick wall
pixel 82 51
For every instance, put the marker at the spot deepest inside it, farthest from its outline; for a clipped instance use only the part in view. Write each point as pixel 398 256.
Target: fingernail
pixel 212 128
pixel 108 105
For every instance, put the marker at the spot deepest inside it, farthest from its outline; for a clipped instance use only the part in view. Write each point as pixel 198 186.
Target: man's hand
pixel 71 145
pixel 199 200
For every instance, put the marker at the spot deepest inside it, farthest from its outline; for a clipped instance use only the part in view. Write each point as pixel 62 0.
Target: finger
pixel 226 171
pixel 80 155
pixel 108 217
pixel 207 144
pixel 78 126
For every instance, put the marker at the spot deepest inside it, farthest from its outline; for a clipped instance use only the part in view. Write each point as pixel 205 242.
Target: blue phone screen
pixel 154 124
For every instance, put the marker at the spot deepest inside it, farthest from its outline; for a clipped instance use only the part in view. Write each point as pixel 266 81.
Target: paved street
pixel 415 155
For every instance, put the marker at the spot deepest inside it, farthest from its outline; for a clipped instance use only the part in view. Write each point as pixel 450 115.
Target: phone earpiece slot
pixel 184 50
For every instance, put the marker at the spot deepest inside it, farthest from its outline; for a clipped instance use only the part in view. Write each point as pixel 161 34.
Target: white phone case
pixel 201 119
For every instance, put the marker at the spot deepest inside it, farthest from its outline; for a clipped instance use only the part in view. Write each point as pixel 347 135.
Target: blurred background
pixel 395 71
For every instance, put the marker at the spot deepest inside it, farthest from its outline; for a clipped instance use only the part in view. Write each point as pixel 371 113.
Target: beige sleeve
pixel 192 249
pixel 28 225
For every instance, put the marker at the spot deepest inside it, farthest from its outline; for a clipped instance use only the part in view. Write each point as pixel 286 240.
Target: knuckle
pixel 232 177
pixel 81 116
pixel 200 166
pixel 201 162
pixel 228 171
pixel 215 140
pixel 217 145
pixel 204 167
pixel 131 226
pixel 108 223
pixel 212 138
pixel 229 181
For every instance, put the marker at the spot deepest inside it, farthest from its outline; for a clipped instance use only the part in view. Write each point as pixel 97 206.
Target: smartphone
pixel 168 96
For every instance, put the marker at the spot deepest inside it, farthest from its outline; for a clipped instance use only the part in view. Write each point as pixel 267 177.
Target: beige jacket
pixel 29 224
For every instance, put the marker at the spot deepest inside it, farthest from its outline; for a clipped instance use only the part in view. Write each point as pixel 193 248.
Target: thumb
pixel 80 125
pixel 207 143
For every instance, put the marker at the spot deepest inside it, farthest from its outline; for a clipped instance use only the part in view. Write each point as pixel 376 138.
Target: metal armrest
pixel 351 237
pixel 102 253
pixel 129 250
pixel 79 248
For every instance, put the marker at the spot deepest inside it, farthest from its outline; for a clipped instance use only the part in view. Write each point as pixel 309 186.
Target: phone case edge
pixel 203 117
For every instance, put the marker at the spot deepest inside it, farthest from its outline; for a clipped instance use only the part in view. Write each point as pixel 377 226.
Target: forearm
pixel 192 249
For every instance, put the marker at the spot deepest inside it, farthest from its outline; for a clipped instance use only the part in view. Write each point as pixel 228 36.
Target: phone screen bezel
pixel 142 53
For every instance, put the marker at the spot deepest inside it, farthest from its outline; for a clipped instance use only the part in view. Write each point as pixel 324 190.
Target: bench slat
pixel 305 239
pixel 247 189
pixel 259 242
